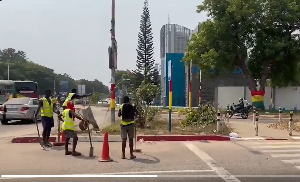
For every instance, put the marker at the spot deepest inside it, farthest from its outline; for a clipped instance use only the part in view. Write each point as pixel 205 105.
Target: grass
pixel 160 127
pixel 284 125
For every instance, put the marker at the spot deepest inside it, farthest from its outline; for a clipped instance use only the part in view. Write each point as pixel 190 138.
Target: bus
pixel 15 89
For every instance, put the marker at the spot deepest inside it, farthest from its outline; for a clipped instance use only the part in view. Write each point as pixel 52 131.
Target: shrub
pixel 203 115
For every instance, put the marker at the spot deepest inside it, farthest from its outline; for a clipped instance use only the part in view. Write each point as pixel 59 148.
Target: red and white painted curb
pixel 154 138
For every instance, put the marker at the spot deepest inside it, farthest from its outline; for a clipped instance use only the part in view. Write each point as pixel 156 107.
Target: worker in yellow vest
pixel 46 106
pixel 73 96
pixel 128 112
pixel 68 128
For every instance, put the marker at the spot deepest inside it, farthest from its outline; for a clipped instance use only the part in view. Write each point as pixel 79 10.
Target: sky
pixel 72 36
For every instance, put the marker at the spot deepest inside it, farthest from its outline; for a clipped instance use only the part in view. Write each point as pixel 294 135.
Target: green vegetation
pixel 21 68
pixel 255 36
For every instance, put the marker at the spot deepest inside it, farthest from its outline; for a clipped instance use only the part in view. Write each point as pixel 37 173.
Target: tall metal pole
pixel 54 87
pixel 200 84
pixel 8 71
pixel 113 71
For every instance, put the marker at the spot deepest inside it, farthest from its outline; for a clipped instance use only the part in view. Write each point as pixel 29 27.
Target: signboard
pixel 64 86
pixel 169 70
pixel 81 89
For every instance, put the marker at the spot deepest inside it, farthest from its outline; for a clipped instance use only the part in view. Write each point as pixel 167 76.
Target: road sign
pixel 169 70
pixel 64 86
pixel 81 89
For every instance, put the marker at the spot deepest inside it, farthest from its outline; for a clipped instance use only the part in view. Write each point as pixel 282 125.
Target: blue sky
pixel 60 33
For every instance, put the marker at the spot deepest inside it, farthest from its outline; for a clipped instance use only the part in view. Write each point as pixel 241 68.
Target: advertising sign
pixel 64 86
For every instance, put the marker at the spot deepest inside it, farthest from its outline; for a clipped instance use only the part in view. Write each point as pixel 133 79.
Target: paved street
pixel 217 161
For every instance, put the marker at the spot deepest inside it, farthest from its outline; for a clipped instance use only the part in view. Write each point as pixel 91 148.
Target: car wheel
pixel 4 121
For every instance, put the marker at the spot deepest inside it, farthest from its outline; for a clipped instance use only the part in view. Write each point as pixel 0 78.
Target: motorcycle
pixel 236 110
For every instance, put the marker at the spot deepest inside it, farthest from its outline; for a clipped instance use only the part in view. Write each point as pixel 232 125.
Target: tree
pixel 23 69
pixel 145 60
pixel 259 37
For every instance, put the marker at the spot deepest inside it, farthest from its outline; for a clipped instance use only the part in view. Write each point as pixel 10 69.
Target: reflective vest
pixel 124 123
pixel 68 99
pixel 68 122
pixel 47 109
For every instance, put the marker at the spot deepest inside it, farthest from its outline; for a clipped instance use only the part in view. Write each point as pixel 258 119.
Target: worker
pixel 128 112
pixel 73 96
pixel 68 128
pixel 46 106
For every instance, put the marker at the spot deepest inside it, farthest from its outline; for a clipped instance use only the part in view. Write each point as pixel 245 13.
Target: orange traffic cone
pixel 105 150
pixel 62 142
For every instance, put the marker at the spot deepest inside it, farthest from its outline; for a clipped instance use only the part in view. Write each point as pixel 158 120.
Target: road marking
pixel 285 155
pixel 298 167
pixel 280 151
pixel 212 163
pixel 279 146
pixel 115 173
pixel 277 143
pixel 292 161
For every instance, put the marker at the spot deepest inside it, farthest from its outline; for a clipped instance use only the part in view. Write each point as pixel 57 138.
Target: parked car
pixel 19 109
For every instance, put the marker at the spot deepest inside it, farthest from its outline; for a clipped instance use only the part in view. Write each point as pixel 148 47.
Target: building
pixel 209 85
pixel 173 39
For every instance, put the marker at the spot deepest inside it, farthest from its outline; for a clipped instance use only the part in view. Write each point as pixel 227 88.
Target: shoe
pixel 49 145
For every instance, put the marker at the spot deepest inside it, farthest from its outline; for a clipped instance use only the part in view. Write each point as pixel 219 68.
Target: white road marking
pixel 278 147
pixel 298 167
pixel 292 161
pixel 212 163
pixel 280 151
pixel 285 155
pixel 3 177
pixel 277 143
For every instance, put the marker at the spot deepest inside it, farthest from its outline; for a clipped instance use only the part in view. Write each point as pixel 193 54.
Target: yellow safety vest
pixel 68 122
pixel 69 99
pixel 124 123
pixel 47 109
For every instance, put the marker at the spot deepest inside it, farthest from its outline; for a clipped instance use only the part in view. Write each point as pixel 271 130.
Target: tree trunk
pixel 257 94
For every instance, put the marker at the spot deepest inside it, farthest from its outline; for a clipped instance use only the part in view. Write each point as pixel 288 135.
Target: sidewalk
pixel 246 129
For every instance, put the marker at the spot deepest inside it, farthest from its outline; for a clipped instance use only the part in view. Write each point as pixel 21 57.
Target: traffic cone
pixel 62 142
pixel 105 150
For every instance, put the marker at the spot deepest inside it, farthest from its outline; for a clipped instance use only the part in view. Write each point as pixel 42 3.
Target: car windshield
pixel 20 101
pixel 23 87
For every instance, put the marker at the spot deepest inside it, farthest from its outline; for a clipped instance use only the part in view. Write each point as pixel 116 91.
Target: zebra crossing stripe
pixel 292 161
pixel 277 143
pixel 285 155
pixel 280 151
pixel 274 147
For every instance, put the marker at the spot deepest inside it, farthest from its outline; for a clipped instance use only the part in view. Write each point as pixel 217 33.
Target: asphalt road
pixel 203 161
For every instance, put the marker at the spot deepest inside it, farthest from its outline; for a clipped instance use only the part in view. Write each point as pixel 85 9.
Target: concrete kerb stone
pixel 151 138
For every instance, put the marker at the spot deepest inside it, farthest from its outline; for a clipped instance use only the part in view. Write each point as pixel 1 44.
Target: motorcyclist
pixel 240 105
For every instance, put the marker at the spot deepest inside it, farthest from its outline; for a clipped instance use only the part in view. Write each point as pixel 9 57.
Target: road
pixel 203 161
pixel 17 128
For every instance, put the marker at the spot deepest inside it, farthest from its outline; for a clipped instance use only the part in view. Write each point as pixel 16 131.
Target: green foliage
pixel 203 115
pixel 21 68
pixel 145 60
pixel 145 114
pixel 147 92
pixel 252 35
pixel 96 97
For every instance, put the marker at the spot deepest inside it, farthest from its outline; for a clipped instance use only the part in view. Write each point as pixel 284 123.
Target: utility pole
pixel 54 86
pixel 112 51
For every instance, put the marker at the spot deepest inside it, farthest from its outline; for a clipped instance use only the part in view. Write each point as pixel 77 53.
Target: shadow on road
pixel 250 150
pixel 147 161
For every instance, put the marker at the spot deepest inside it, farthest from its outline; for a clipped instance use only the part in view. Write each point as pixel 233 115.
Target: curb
pixel 35 139
pixel 117 138
pixel 182 137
